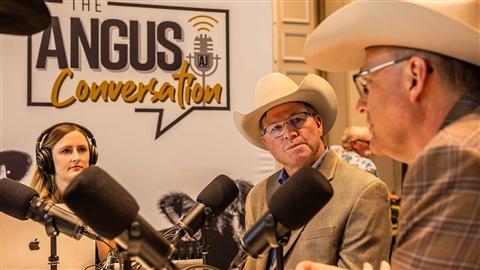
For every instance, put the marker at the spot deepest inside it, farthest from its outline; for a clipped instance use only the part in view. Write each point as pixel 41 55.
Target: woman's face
pixel 70 157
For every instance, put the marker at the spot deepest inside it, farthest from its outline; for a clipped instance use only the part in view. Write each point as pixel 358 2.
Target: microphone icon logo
pixel 203 53
pixel 205 63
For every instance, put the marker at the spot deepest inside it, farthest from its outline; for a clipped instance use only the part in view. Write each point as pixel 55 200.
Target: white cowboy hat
pixel 449 28
pixel 23 17
pixel 275 89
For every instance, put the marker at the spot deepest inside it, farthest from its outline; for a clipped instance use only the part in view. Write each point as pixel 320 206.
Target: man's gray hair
pixel 460 75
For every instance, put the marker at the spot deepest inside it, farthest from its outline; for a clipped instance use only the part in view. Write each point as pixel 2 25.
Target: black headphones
pixel 44 155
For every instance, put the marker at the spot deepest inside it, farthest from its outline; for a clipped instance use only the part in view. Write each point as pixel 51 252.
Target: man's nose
pixel 289 130
pixel 362 105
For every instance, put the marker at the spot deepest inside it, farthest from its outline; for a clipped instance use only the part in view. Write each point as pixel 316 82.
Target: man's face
pixel 295 147
pixel 385 104
pixel 362 147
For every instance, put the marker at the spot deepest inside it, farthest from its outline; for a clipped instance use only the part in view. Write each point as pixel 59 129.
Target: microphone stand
pixel 52 232
pixel 279 251
pixel 133 236
pixel 53 260
pixel 276 242
pixel 205 228
pixel 125 262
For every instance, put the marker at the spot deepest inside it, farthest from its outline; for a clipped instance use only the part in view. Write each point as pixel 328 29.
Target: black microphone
pixel 23 202
pixel 110 210
pixel 211 201
pixel 291 206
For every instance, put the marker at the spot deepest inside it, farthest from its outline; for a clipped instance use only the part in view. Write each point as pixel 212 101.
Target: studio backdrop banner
pixel 155 82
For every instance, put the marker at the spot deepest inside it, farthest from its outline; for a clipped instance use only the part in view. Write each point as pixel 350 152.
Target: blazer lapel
pixel 327 169
pixel 271 186
pixel 292 240
pixel 329 165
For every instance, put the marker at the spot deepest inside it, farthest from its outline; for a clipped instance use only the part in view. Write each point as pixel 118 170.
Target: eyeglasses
pixel 296 121
pixel 361 82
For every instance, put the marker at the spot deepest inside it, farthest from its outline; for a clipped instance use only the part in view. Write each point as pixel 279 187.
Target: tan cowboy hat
pixel 275 89
pixel 450 28
pixel 23 17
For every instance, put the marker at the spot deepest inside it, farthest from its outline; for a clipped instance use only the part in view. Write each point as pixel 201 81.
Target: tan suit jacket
pixel 354 227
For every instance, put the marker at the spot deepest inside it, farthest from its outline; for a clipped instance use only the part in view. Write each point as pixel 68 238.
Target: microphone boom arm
pixel 145 247
pixel 275 233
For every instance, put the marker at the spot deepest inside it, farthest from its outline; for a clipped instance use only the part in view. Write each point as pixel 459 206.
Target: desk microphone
pixel 211 201
pixel 291 207
pixel 23 202
pixel 109 209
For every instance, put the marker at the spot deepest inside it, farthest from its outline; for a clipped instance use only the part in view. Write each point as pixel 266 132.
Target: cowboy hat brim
pixel 313 90
pixel 23 17
pixel 339 42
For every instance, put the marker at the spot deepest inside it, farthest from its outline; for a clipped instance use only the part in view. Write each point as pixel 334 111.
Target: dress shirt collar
pixel 283 176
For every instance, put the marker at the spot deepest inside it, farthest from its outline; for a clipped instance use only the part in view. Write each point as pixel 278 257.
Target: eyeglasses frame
pixel 361 87
pixel 263 131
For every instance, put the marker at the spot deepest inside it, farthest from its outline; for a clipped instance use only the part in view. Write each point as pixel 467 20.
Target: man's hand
pixel 308 265
pixel 383 266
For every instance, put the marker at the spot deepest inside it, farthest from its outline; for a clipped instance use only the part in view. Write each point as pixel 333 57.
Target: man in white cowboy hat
pixel 419 84
pixel 289 121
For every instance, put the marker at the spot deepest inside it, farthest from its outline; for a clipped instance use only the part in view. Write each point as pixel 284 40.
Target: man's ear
pixel 416 72
pixel 319 122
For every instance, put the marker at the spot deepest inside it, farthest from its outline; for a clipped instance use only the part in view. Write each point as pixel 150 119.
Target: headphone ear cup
pixel 93 155
pixel 45 162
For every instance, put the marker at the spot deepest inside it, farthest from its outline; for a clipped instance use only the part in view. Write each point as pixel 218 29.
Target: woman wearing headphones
pixel 62 152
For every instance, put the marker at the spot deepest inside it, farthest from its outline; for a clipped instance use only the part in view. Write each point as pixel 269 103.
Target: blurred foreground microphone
pixel 291 206
pixel 110 210
pixel 211 201
pixel 22 202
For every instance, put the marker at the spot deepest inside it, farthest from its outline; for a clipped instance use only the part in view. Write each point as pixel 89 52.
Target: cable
pixel 112 257
pixel 170 233
pixel 89 266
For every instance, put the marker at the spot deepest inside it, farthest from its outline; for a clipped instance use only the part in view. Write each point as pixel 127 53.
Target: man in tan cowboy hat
pixel 419 84
pixel 289 121
pixel 23 17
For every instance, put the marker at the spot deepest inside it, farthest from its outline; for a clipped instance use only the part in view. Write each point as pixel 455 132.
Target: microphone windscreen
pixel 218 194
pixel 15 198
pixel 300 198
pixel 101 202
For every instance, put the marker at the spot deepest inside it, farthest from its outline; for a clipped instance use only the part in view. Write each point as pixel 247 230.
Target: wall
pixel 151 148
pixel 289 38
pixel 389 170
